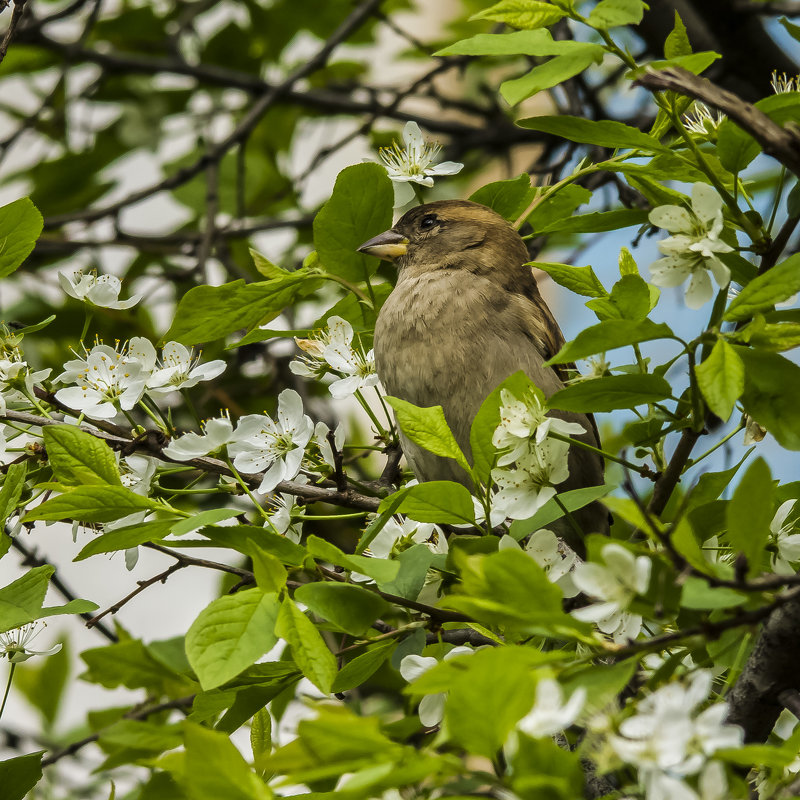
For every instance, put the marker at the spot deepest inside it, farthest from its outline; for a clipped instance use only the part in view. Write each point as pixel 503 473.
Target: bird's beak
pixel 388 245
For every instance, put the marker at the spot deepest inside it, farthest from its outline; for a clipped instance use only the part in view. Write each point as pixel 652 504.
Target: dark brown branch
pixel 665 485
pixel 781 143
pixel 771 669
pixel 141 586
pixel 30 558
pixel 16 16
pixel 153 444
pixel 216 152
pixel 136 713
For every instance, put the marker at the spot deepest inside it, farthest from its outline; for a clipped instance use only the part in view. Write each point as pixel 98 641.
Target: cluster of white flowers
pixel 669 739
pixel 614 586
pixel 259 442
pixel 533 462
pixel 400 531
pixel 413 163
pixel 692 251
pixel 107 379
pixel 102 290
pixel 332 350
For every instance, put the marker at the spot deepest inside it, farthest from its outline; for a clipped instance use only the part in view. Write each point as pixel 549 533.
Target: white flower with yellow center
pixel 99 290
pixel 525 423
pixel 275 446
pixel 413 163
pixel 14 644
pixel 692 252
pixel 107 380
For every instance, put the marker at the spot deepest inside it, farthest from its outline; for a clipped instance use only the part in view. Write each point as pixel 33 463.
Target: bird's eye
pixel 427 222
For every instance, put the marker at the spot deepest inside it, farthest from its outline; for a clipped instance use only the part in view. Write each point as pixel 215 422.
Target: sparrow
pixel 465 314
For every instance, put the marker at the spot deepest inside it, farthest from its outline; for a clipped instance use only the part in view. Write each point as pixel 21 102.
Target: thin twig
pixel 16 16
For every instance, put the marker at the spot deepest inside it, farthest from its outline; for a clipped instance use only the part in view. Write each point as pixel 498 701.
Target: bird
pixel 465 314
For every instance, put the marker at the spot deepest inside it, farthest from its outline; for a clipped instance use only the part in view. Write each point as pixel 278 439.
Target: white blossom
pixel 181 369
pixel 431 707
pixel 16 378
pixel 555 557
pixel 287 519
pixel 523 490
pixel 401 529
pixel 413 163
pixel 14 644
pixel 275 446
pixel 217 433
pixel 692 252
pixel 550 714
pixel 701 121
pixel 783 83
pixel 136 473
pixel 321 431
pixel 524 422
pixel 332 350
pixel 106 381
pixel 614 585
pixel 102 290
pixel 786 542
pixel 668 739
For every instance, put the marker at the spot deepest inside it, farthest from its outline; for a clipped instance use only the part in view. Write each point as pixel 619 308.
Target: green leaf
pixel 359 208
pixel 141 735
pixel 261 733
pixel 611 392
pixel 697 594
pixel 309 650
pixel 736 148
pixel 677 42
pixel 230 634
pixel 265 267
pixel 749 514
pixel 609 335
pixel 580 280
pixel 269 572
pixel 524 14
pixel 379 569
pixel 197 521
pixel 606 133
pixel 777 337
pixel 206 313
pixel 445 502
pixel 20 226
pixel 771 389
pixel 551 73
pixel 764 291
pixel 556 206
pixel 613 13
pixel 428 428
pixel 19 775
pixel 508 198
pixel 414 565
pixel 481 710
pixel 42 682
pixel 351 608
pixel 244 537
pixel 596 222
pixel 215 769
pixel 631 298
pixel 92 504
pixel 78 458
pixel 792 29
pixel 721 379
pixel 551 511
pixel 523 43
pixel 361 668
pixel 21 600
pixel 13 484
pixel 125 538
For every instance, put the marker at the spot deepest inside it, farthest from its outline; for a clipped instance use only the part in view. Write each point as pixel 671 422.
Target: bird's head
pixel 449 234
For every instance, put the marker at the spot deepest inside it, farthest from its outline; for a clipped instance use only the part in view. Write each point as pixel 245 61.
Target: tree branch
pixel 781 143
pixel 16 16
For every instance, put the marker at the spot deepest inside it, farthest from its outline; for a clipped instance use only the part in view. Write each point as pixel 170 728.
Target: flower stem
pixel 711 449
pixel 370 413
pixel 640 469
pixel 568 515
pixel 87 322
pixel 8 687
pixel 246 488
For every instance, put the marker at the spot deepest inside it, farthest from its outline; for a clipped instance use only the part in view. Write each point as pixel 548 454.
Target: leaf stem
pixel 8 687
